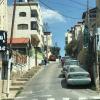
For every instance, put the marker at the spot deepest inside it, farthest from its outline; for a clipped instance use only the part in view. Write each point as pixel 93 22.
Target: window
pixel 22 26
pixel 34 13
pixel 20 0
pixel 34 25
pixel 30 0
pixel 22 14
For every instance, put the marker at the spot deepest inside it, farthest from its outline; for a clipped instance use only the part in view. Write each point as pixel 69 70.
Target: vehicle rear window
pixel 78 76
pixel 76 69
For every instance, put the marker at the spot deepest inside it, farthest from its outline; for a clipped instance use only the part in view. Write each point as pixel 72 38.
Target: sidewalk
pixel 18 84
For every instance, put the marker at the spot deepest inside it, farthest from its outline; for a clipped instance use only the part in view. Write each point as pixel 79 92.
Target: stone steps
pixel 15 88
pixel 18 83
pixel 23 79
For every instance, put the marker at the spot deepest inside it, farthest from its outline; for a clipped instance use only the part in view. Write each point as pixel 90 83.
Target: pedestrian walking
pixel 62 62
pixel 45 61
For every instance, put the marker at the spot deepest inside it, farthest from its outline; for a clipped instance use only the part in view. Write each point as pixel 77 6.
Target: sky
pixel 61 15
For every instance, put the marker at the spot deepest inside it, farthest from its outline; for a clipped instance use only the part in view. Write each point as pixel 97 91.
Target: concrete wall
pixel 3 16
pixel 98 12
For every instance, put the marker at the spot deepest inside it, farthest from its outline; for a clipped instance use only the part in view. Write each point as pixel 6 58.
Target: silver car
pixel 69 63
pixel 77 76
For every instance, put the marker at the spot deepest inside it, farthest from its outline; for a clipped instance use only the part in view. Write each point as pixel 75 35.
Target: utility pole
pixel 97 49
pixel 97 65
pixel 46 26
pixel 10 49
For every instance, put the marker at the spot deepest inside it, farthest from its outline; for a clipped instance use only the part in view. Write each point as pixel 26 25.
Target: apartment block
pixel 28 21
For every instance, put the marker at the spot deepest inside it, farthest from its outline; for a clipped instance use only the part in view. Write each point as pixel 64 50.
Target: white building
pixel 48 42
pixel 48 39
pixel 3 15
pixel 28 25
pixel 79 30
pixel 28 21
pixel 68 35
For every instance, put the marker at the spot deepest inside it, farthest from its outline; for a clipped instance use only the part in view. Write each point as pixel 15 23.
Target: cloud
pixel 52 16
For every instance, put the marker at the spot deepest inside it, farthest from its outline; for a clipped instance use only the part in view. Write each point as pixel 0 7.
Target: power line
pixel 81 4
pixel 76 7
pixel 59 12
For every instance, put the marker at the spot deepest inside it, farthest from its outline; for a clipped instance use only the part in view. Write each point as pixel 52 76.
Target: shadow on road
pixel 64 85
pixel 61 76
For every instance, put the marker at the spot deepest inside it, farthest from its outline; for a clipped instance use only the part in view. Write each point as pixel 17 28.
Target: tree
pixel 86 36
pixel 55 51
pixel 72 48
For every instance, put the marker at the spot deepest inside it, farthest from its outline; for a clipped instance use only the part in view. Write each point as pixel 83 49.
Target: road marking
pixel 51 99
pixel 96 97
pixel 46 95
pixel 89 98
pixel 65 98
pixel 83 98
pixel 20 97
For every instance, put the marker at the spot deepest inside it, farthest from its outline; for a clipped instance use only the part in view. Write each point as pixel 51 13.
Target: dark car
pixel 52 58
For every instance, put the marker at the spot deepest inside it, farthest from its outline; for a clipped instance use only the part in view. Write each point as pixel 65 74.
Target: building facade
pixel 28 25
pixel 3 15
pixel 28 21
pixel 48 43
pixel 98 13
pixel 68 35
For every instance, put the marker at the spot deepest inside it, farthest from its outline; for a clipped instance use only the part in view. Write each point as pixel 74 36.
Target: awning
pixel 19 40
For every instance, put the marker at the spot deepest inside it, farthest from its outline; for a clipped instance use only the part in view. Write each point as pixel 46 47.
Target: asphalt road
pixel 49 84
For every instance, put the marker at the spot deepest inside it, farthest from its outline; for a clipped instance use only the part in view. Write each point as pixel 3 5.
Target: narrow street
pixel 49 84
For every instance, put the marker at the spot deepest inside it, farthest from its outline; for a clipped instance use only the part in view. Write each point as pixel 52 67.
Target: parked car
pixel 69 63
pixel 74 62
pixel 77 76
pixel 52 58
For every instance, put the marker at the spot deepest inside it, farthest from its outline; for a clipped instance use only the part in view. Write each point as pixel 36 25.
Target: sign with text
pixel 3 41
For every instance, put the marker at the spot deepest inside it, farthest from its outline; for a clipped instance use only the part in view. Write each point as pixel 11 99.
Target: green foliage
pixel 86 36
pixel 55 51
pixel 72 48
pixel 83 56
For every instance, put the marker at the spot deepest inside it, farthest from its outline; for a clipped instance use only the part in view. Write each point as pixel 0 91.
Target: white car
pixel 73 63
pixel 77 76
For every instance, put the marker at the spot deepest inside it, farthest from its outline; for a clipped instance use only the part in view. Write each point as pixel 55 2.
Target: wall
pixel 3 16
pixel 98 12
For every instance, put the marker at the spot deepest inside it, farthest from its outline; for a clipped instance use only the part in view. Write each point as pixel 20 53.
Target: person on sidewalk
pixel 62 61
pixel 45 61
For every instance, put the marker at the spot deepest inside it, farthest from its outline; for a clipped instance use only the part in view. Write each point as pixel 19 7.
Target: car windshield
pixel 67 63
pixel 76 69
pixel 74 62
